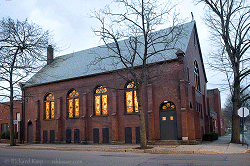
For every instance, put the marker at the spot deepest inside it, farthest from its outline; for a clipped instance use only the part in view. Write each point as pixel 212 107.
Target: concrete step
pixel 174 142
pixel 164 142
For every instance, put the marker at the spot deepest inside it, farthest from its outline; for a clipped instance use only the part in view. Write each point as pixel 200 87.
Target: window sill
pixel 74 118
pixel 100 115
pixel 49 119
pixel 134 113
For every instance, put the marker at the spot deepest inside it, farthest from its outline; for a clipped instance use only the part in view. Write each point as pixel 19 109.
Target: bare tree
pixel 229 21
pixel 22 46
pixel 137 22
pixel 228 110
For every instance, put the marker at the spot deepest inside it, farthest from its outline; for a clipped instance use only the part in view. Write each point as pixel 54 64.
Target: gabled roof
pixel 79 64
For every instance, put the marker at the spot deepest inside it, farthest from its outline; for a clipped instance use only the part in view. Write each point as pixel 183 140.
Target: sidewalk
pixel 220 146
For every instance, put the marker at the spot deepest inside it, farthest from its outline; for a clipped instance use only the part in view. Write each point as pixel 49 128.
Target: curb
pixel 151 151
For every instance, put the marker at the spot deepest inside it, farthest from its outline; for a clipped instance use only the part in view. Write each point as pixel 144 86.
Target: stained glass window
pixel 101 101
pixel 131 98
pixel 168 105
pixel 73 104
pixel 129 101
pixel 76 107
pixel 49 107
pixel 97 105
pixel 52 110
pixel 47 110
pixel 104 105
pixel 196 76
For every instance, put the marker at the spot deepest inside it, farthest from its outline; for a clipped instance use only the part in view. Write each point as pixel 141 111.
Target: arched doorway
pixel 168 121
pixel 30 132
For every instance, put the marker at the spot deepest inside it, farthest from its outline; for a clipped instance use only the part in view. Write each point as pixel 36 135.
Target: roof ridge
pixel 124 39
pixel 67 66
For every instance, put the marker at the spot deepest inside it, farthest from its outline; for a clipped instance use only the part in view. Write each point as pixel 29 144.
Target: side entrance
pixel 168 121
pixel 30 132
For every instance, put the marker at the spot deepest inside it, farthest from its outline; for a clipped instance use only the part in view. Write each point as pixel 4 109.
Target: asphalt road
pixel 28 157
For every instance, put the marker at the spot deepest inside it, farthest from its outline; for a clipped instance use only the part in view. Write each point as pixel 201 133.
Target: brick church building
pixel 72 100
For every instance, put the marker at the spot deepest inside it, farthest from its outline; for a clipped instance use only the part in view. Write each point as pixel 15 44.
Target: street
pixel 28 157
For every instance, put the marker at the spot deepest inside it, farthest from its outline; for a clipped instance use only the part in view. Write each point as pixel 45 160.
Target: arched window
pixel 168 106
pixel 100 103
pixel 73 104
pixel 196 76
pixel 49 112
pixel 131 98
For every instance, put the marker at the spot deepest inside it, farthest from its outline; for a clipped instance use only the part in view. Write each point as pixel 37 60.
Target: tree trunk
pixel 12 143
pixel 143 137
pixel 235 138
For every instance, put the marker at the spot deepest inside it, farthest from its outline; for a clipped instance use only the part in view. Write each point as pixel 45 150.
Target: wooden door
pixel 68 136
pixel 76 136
pixel 30 133
pixel 52 136
pixel 128 135
pixel 96 136
pixel 45 136
pixel 105 135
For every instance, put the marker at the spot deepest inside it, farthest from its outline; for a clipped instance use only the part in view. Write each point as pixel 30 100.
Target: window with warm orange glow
pixel 131 98
pixel 73 104
pixel 49 112
pixel 168 105
pixel 101 101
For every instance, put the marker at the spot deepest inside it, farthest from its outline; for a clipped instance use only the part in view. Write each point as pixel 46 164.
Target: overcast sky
pixel 71 25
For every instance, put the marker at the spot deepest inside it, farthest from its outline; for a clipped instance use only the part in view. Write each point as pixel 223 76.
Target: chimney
pixel 180 54
pixel 50 54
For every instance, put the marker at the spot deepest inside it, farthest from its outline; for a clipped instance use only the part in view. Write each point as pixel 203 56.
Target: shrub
pixel 210 137
pixel 215 136
pixel 5 135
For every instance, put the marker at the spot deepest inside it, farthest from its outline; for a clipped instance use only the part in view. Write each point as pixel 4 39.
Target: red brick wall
pixel 169 82
pixel 195 96
pixel 214 104
pixel 165 87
